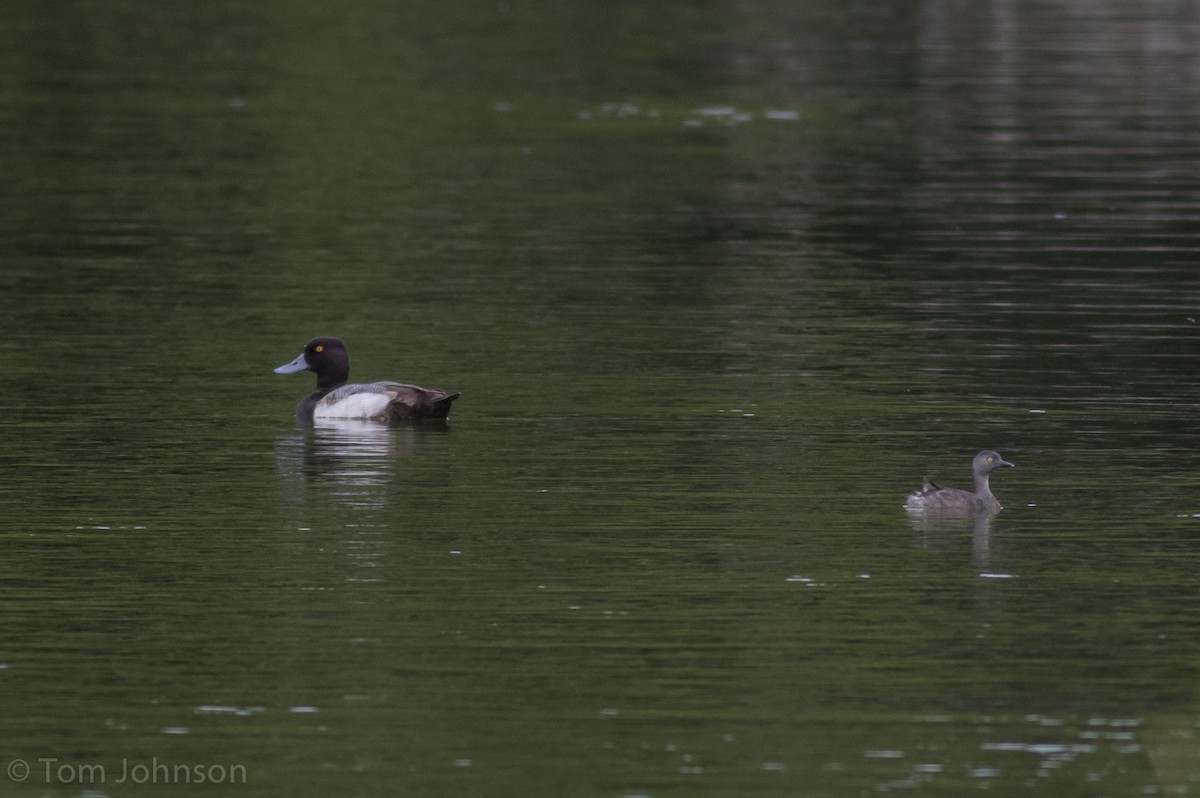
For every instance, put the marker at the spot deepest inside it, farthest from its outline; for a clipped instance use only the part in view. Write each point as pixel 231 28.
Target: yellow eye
pixel 989 459
pixel 322 349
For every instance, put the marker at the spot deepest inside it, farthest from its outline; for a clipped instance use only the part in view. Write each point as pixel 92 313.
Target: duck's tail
pixel 441 405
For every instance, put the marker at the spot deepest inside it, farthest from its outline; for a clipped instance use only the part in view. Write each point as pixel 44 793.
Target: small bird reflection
pixel 981 524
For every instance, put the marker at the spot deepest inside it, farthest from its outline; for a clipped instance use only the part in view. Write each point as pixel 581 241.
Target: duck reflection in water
pixel 360 463
pixel 937 531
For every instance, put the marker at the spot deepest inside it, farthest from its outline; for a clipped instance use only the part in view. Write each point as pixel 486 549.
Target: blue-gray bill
pixel 299 364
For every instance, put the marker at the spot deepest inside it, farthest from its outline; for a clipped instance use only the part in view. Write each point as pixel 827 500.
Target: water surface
pixel 719 285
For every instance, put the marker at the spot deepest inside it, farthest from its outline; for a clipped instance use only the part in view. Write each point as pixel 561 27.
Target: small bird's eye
pixel 989 459
pixel 322 349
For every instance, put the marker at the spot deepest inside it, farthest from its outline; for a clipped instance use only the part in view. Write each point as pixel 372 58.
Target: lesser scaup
pixel 933 499
pixel 382 401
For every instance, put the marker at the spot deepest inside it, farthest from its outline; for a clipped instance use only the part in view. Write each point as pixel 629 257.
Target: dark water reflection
pixel 356 463
pixel 930 530
pixel 719 285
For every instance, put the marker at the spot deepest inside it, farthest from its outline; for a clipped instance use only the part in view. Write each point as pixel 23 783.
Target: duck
pixel 933 499
pixel 336 397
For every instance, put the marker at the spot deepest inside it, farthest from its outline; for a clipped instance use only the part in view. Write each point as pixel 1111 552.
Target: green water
pixel 718 283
